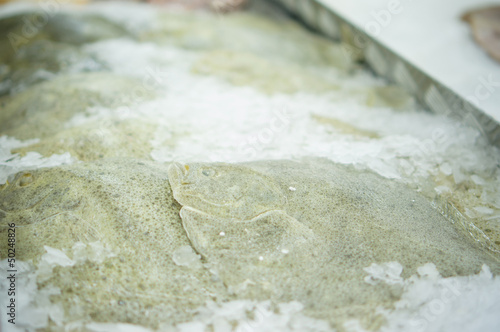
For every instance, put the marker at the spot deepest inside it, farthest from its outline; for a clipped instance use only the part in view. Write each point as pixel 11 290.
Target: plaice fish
pixel 307 230
pixel 103 200
pixel 127 206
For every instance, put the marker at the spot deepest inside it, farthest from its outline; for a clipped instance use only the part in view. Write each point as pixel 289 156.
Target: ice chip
pixel 185 256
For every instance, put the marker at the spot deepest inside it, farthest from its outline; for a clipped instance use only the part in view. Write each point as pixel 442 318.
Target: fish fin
pixel 265 235
pixel 293 231
pixel 199 227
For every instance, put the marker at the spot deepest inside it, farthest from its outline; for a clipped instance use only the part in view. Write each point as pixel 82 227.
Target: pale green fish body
pixel 126 205
pixel 305 231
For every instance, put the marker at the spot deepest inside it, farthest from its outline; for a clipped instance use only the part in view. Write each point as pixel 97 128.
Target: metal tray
pixel 388 64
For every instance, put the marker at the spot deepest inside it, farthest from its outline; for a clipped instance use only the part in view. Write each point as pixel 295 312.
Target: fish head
pixel 224 190
pixel 32 196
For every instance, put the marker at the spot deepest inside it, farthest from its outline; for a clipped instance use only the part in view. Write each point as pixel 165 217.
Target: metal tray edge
pixel 388 64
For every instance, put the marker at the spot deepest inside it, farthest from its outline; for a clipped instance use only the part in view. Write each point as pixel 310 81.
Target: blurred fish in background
pixel 485 26
pixel 220 6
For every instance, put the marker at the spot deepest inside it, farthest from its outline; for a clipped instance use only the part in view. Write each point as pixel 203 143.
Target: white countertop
pixel 431 35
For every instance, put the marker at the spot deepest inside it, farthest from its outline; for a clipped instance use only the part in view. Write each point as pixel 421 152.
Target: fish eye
pixel 210 172
pixel 26 179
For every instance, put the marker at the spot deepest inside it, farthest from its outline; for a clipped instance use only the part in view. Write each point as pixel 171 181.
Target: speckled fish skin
pixel 127 205
pixel 348 220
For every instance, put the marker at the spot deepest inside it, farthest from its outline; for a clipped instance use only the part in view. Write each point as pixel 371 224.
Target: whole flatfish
pixel 306 230
pixel 126 205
